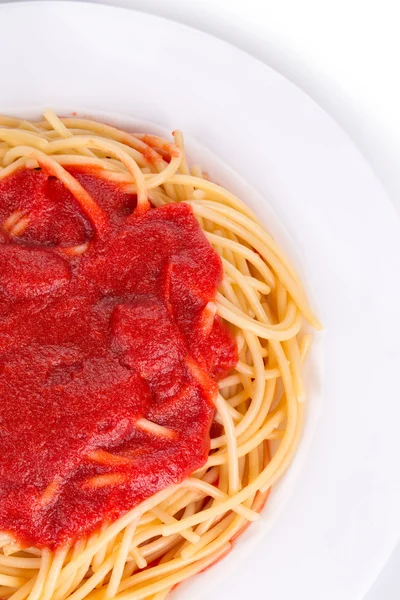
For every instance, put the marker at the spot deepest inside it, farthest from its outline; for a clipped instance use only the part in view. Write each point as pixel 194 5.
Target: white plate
pixel 338 528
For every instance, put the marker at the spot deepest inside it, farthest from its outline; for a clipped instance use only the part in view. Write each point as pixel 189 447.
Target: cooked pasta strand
pixel 183 529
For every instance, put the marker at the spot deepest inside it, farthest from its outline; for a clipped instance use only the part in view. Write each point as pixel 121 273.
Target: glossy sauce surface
pixel 108 359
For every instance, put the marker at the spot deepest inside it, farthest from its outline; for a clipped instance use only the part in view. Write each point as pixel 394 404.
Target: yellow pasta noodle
pixel 185 528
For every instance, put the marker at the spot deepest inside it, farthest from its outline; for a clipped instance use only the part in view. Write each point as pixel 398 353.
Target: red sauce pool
pixel 91 344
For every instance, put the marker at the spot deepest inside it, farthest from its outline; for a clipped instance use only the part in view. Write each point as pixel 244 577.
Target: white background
pixel 343 53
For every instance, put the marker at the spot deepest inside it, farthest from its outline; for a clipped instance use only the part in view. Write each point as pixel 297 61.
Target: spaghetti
pixel 180 529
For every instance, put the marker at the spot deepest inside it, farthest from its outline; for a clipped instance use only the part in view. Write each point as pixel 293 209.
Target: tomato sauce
pixel 108 359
